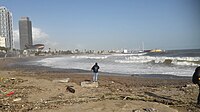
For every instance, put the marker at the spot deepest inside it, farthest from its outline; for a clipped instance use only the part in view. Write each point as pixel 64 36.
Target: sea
pixel 170 62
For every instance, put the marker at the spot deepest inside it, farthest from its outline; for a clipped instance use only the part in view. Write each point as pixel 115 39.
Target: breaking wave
pixel 89 57
pixel 180 63
pixel 183 61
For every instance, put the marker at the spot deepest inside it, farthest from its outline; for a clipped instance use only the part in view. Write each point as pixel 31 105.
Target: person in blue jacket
pixel 196 80
pixel 95 69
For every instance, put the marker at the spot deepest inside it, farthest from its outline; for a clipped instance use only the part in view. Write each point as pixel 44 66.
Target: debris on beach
pixel 17 99
pixel 70 89
pixel 62 80
pixel 150 110
pixel 88 84
pixel 7 86
pixel 121 94
pixel 145 110
pixel 10 93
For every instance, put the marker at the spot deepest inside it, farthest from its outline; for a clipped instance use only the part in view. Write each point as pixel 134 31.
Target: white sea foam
pixel 125 64
pixel 132 61
pixel 185 61
pixel 133 54
pixel 90 57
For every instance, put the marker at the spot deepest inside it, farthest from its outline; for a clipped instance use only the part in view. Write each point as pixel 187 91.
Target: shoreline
pixel 19 65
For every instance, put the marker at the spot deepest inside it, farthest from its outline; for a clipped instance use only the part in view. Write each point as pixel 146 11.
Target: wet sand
pixel 37 89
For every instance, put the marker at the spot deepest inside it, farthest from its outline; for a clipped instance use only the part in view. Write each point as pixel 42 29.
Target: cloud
pixel 39 37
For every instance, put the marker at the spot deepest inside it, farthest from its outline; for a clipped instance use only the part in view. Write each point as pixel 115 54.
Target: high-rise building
pixel 6 28
pixel 25 32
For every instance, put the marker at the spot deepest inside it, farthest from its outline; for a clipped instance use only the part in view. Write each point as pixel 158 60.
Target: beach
pixel 43 89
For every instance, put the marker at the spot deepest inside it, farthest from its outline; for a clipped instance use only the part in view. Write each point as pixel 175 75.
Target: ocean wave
pixel 182 61
pixel 133 61
pixel 186 63
pixel 133 54
pixel 89 57
pixel 49 60
pixel 180 66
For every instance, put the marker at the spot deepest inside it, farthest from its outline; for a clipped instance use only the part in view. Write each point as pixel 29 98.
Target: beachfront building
pixel 25 32
pixel 6 28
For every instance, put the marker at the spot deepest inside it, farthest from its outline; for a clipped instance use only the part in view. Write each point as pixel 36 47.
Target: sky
pixel 110 24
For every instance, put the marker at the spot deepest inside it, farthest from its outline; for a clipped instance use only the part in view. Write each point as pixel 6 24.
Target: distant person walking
pixel 196 80
pixel 95 69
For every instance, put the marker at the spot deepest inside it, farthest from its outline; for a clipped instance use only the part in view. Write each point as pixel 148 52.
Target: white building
pixel 6 27
pixel 2 41
pixel 125 51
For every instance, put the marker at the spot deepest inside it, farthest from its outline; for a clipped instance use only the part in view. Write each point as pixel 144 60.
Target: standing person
pixel 95 69
pixel 196 80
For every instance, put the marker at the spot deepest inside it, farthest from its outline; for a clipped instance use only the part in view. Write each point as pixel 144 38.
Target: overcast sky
pixel 110 24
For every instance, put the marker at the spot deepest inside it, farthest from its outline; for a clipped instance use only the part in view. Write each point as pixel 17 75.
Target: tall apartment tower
pixel 6 28
pixel 25 32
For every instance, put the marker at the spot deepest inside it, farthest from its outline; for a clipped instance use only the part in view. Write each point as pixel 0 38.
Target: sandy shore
pixel 39 89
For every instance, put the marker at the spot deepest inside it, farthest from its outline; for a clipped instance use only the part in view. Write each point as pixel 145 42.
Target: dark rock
pixel 70 89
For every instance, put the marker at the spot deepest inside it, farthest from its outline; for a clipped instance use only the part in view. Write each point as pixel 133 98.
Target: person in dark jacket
pixel 196 80
pixel 95 69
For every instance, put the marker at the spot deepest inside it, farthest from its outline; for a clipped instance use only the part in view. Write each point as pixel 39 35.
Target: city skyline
pixel 113 24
